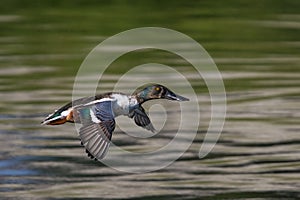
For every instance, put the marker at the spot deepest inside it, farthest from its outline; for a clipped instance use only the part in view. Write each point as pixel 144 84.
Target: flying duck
pixel 97 115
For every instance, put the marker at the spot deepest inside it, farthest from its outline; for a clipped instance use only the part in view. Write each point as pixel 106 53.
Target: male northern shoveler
pixel 97 115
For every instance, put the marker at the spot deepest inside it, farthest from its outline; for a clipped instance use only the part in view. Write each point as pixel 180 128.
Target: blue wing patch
pixel 96 113
pixel 103 111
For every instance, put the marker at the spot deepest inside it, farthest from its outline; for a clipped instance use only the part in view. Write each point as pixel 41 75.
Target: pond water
pixel 256 46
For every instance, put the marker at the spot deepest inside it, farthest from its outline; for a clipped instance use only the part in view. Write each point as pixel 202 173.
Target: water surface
pixel 256 47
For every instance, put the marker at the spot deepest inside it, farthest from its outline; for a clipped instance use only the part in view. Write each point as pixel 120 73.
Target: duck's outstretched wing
pixel 141 118
pixel 98 125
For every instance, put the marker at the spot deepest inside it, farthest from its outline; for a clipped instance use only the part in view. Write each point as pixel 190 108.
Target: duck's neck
pixel 124 104
pixel 133 103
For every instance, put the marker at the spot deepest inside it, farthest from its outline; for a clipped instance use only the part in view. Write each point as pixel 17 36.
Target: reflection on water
pixel 256 48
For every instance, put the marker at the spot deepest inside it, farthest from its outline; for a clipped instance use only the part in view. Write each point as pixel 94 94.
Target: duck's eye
pixel 157 88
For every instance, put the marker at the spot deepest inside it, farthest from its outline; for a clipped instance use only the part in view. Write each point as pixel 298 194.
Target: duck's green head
pixel 156 91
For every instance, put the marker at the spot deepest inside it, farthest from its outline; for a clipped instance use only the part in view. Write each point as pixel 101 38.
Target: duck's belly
pixel 121 105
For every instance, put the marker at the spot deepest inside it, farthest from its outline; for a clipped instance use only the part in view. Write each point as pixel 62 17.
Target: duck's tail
pixel 54 121
pixel 58 118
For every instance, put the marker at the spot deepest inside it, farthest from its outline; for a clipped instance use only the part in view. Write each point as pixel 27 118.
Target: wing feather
pixel 141 119
pixel 98 125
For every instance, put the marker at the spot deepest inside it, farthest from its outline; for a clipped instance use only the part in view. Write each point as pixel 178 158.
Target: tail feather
pixel 55 119
pixel 60 116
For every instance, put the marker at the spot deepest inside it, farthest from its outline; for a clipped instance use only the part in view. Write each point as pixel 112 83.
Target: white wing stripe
pixel 99 100
pixel 93 117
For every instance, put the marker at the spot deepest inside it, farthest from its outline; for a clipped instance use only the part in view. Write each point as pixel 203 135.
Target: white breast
pixel 121 105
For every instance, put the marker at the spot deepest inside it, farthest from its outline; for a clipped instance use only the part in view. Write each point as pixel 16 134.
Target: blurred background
pixel 256 46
